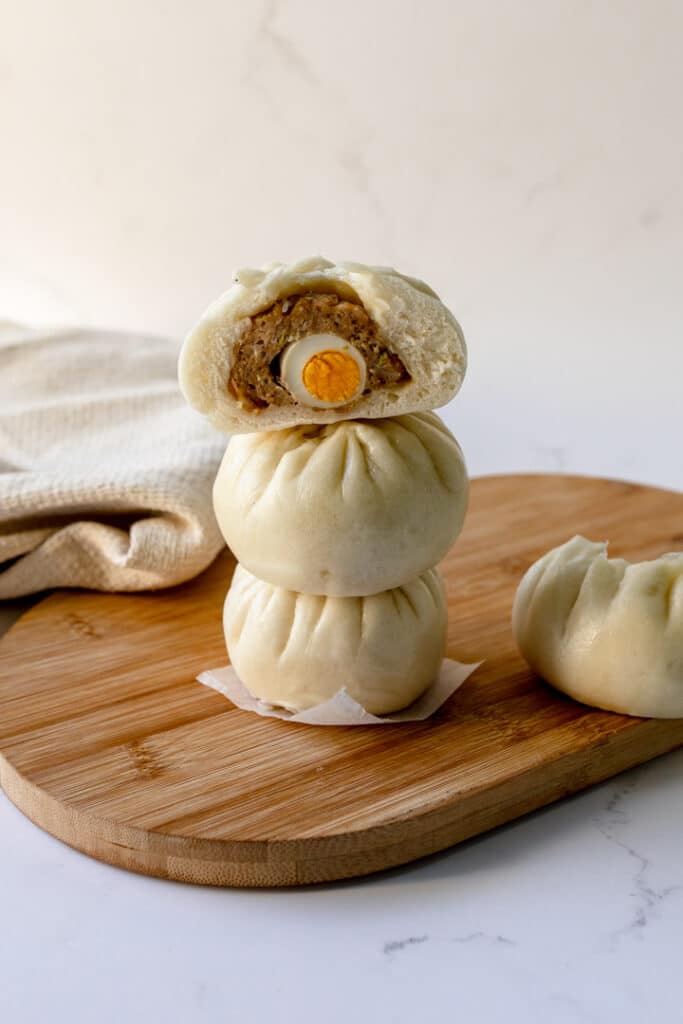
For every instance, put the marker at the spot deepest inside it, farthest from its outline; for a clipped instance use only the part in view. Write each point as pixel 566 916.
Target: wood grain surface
pixel 108 743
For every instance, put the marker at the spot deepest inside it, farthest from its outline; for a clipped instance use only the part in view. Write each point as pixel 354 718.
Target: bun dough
pixel 421 331
pixel 604 631
pixel 343 509
pixel 298 650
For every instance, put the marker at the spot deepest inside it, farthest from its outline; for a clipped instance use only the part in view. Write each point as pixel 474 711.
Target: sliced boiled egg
pixel 323 371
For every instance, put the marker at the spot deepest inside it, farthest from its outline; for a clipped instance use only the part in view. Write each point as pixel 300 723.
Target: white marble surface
pixel 526 159
pixel 572 914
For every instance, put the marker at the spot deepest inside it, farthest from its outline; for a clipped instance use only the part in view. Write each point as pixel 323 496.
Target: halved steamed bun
pixel 346 508
pixel 297 650
pixel 316 342
pixel 604 631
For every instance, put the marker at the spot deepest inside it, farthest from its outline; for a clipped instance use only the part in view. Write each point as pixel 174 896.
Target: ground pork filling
pixel 255 378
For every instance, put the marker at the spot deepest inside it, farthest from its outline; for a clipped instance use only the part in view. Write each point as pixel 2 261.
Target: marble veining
pixel 271 48
pixel 398 945
pixel 501 940
pixel 269 37
pixel 645 898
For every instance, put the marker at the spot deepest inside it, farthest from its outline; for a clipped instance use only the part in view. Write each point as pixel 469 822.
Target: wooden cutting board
pixel 108 743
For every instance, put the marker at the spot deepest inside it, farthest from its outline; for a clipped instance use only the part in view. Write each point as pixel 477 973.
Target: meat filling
pixel 255 377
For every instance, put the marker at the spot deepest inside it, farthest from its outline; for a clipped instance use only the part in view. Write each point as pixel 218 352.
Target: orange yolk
pixel 331 376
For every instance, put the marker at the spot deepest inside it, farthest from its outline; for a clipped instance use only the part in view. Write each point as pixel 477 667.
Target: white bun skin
pixel 419 328
pixel 343 509
pixel 297 650
pixel 604 631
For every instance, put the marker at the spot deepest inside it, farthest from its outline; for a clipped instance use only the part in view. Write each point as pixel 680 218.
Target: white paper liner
pixel 342 709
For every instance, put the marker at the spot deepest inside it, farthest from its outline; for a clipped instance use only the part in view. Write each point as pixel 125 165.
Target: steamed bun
pixel 297 650
pixel 408 342
pixel 343 509
pixel 604 631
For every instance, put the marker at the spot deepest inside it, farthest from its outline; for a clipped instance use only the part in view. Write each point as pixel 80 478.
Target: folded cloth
pixel 105 473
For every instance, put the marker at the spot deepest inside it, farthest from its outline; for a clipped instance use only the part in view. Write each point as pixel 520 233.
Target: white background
pixel 523 157
pixel 526 159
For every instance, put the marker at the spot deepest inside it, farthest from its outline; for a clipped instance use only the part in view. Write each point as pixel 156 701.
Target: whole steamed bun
pixel 343 509
pixel 318 342
pixel 604 631
pixel 297 650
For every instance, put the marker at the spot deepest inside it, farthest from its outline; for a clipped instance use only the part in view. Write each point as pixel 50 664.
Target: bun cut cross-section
pixel 239 366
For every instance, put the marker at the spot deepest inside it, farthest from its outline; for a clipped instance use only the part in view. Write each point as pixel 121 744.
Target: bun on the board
pixel 604 631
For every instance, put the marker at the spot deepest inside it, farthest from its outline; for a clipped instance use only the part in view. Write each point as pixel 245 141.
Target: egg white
pixel 295 357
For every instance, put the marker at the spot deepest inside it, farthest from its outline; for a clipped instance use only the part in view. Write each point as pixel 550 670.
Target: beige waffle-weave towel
pixel 105 473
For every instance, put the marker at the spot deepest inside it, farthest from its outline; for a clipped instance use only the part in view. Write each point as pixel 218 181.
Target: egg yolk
pixel 331 376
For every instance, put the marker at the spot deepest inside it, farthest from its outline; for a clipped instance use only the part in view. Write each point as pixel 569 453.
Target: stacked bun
pixel 339 491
